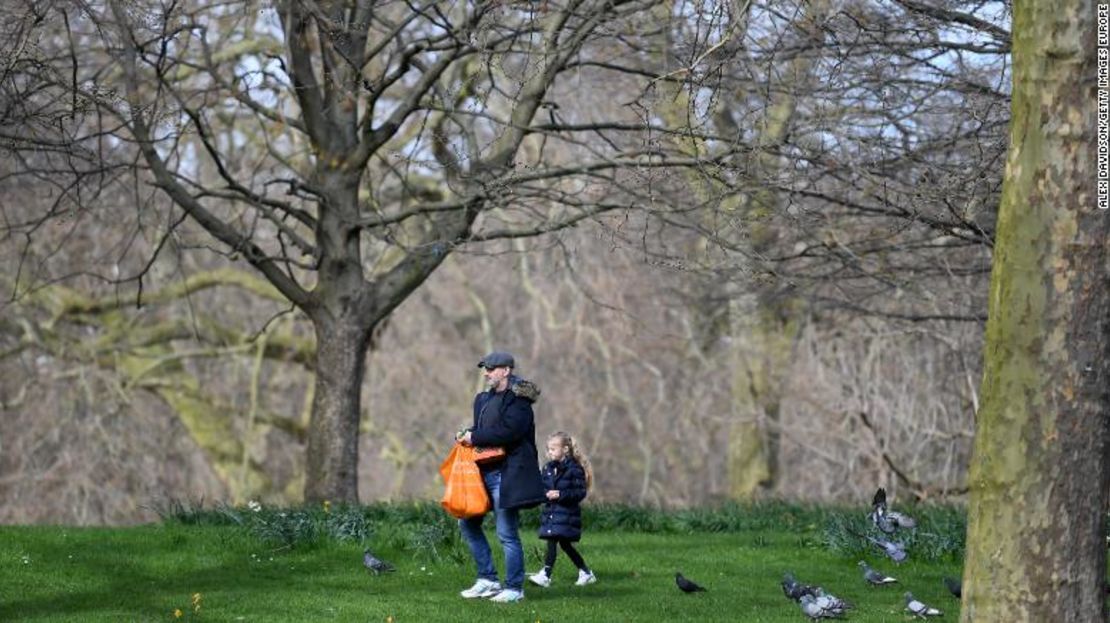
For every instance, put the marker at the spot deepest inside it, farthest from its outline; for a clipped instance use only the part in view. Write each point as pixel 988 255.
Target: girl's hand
pixel 553 495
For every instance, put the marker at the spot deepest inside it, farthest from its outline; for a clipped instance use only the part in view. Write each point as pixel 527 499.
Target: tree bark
pixel 1039 472
pixel 758 375
pixel 331 467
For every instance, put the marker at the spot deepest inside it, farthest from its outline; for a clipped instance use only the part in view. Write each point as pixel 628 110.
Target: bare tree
pixel 838 159
pixel 343 150
pixel 1041 468
pixel 865 146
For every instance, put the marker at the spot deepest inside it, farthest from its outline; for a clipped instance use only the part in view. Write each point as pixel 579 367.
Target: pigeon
pixel 793 590
pixel 919 609
pixel 878 514
pixel 888 521
pixel 832 603
pixel 894 550
pixel 873 577
pixel 375 564
pixel 812 608
pixel 686 585
pixel 954 586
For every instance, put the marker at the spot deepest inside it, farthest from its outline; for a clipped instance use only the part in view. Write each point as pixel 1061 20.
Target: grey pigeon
pixel 878 514
pixel 919 609
pixel 886 520
pixel 954 586
pixel 375 564
pixel 812 608
pixel 873 577
pixel 832 603
pixel 794 590
pixel 686 585
pixel 894 550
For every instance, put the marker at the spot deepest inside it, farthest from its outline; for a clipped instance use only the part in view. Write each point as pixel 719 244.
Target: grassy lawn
pixel 146 573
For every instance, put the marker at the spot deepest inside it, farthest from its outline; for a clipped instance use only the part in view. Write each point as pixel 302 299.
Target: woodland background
pixel 799 318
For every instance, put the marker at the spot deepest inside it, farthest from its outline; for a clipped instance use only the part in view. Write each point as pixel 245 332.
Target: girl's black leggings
pixel 568 547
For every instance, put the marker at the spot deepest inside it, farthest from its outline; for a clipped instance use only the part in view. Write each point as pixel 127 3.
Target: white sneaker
pixel 507 596
pixel 540 578
pixel 482 588
pixel 585 577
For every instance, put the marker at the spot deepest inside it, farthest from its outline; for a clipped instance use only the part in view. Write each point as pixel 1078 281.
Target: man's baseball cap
pixel 497 359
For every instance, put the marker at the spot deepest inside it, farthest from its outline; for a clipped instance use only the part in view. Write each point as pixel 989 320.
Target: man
pixel 503 417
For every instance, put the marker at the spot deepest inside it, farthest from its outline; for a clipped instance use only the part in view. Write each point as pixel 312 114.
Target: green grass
pixel 243 573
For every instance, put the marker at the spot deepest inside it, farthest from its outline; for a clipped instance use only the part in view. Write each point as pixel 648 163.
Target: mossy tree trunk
pixel 758 375
pixel 1039 472
pixel 753 444
pixel 717 307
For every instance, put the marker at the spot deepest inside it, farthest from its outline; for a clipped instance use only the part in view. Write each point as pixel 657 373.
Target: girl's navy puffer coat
pixel 562 518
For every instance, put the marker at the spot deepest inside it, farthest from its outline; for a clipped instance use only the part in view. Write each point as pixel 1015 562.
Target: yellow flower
pixel 177 613
pixel 327 506
pixel 196 602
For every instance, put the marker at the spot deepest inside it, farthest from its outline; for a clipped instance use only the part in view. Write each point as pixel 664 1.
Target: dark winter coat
pixel 562 518
pixel 511 425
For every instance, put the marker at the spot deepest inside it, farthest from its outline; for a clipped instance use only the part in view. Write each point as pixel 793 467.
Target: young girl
pixel 567 477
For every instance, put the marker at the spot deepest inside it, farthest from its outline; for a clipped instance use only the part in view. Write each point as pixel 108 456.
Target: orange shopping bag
pixel 465 494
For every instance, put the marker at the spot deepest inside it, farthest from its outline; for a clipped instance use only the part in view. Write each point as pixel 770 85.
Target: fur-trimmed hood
pixel 524 389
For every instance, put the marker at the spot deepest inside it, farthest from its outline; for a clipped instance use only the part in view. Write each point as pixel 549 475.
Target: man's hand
pixel 465 439
pixel 553 494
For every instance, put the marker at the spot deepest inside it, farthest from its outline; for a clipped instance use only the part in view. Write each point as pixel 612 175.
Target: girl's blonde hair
pixel 576 453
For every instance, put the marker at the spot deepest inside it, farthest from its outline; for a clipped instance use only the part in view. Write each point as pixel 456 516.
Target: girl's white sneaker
pixel 540 579
pixel 585 577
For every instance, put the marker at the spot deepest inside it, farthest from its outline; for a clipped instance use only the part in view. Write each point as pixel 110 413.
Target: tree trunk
pixel 1039 472
pixel 756 389
pixel 758 377
pixel 331 466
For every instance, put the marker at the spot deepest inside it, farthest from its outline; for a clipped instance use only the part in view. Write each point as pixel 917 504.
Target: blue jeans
pixel 508 532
